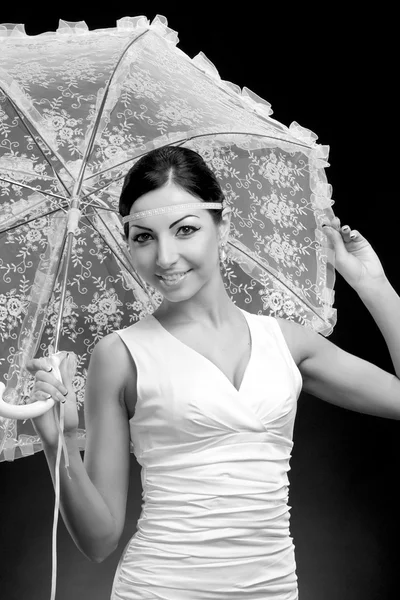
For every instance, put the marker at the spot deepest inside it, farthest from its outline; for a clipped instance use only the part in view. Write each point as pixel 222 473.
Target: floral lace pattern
pixel 77 108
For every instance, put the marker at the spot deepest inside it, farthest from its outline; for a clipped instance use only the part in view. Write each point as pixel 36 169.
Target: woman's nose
pixel 166 253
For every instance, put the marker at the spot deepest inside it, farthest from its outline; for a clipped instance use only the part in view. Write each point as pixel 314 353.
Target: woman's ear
pixel 225 224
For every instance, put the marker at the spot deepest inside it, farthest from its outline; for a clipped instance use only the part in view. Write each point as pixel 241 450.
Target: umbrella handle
pixel 35 409
pixel 23 411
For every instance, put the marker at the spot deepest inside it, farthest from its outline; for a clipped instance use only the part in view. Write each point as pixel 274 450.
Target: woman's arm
pixel 341 378
pixel 335 375
pixel 383 303
pixel 93 501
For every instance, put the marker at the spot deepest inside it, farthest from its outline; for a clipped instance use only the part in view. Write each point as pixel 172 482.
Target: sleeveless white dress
pixel 215 520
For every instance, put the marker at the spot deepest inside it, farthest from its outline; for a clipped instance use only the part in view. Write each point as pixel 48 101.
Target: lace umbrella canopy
pixel 77 108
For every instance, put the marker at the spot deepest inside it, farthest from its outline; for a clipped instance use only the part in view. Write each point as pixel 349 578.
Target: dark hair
pixel 183 167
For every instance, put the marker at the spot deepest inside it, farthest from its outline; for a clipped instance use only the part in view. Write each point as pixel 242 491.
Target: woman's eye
pixel 136 238
pixel 190 227
pixel 188 230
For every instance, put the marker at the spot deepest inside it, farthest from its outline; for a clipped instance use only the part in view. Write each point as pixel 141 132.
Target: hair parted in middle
pixel 181 166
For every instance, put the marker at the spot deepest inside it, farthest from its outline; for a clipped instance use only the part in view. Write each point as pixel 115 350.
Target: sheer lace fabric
pixel 77 108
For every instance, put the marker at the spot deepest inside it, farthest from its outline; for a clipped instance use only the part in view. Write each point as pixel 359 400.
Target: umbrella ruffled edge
pixel 28 445
pixel 159 24
pixel 135 24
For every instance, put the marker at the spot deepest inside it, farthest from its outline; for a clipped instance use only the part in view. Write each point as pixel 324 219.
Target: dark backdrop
pixel 333 72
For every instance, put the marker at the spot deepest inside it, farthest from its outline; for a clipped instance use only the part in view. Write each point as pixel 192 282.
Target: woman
pixel 207 392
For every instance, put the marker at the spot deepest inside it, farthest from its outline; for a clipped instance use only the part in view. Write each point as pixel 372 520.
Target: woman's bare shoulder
pixel 112 355
pixel 294 338
pixel 112 341
pixel 113 358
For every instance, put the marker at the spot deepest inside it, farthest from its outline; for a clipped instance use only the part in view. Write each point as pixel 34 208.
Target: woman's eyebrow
pixel 170 227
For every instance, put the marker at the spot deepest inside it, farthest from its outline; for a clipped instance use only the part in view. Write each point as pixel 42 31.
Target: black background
pixel 333 71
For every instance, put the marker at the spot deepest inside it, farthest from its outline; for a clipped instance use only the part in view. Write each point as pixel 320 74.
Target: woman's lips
pixel 173 280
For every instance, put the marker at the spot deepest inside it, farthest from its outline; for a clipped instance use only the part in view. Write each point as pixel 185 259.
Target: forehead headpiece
pixel 172 208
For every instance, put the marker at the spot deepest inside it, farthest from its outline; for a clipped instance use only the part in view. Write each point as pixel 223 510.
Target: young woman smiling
pixel 207 394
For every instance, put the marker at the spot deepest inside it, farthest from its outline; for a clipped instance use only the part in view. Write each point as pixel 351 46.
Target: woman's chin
pixel 177 295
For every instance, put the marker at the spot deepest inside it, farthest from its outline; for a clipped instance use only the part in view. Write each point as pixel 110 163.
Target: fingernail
pixel 50 370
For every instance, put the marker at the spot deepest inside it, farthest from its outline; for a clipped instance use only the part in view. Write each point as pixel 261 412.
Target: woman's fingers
pixel 68 369
pixel 43 390
pixel 48 378
pixel 45 379
pixel 37 364
pixel 38 395
pixel 46 383
pixel 346 234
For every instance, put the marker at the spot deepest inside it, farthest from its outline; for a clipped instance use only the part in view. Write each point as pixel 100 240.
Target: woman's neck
pixel 212 307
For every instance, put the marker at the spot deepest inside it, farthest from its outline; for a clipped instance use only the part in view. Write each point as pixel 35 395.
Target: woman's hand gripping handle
pixel 53 385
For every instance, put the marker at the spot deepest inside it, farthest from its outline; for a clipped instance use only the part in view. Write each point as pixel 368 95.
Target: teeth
pixel 173 279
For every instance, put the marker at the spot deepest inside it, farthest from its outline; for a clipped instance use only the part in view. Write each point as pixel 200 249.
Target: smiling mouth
pixel 172 280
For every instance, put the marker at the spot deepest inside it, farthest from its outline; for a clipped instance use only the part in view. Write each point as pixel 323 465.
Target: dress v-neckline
pixel 210 362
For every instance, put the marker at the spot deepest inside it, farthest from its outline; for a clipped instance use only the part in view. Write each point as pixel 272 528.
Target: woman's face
pixel 177 253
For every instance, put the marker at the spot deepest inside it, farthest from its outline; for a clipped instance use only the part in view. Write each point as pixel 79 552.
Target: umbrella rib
pixel 51 212
pixel 96 203
pixel 93 202
pixel 30 187
pixel 262 135
pixel 265 268
pixel 23 118
pixel 96 124
pixel 63 284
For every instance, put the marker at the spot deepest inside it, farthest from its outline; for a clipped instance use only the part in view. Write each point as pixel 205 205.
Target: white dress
pixel 215 520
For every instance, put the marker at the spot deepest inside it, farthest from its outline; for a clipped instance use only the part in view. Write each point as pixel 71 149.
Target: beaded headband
pixel 172 208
